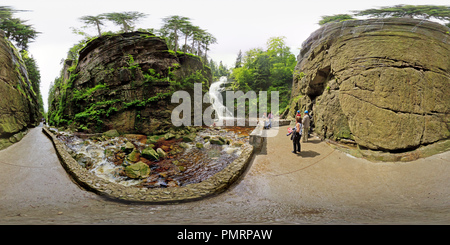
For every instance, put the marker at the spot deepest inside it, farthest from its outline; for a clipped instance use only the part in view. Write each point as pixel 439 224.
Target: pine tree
pixel 94 20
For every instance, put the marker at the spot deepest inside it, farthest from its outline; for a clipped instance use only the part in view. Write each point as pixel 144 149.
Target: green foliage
pixel 94 20
pixel 143 103
pixel 94 114
pixel 132 65
pixel 441 13
pixel 125 19
pixel 175 26
pixel 16 29
pixel 79 95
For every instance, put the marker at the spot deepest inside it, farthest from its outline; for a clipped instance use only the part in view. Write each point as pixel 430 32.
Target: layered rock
pixel 125 82
pixel 384 83
pixel 19 108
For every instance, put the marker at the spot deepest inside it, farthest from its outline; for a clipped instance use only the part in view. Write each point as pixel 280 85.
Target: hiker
pixel 296 135
pixel 298 114
pixel 306 122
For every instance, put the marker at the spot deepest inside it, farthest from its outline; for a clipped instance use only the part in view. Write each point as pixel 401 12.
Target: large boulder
pixel 19 107
pixel 384 83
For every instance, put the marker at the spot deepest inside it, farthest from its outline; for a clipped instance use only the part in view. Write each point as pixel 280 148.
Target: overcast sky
pixel 236 24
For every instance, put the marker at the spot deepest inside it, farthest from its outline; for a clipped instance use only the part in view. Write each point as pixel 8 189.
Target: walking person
pixel 297 135
pixel 306 122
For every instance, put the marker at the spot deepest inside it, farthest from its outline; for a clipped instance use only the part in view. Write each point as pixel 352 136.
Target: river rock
pixel 218 140
pixel 382 83
pixel 129 147
pixel 189 138
pixel 152 139
pixel 133 156
pixel 169 136
pixel 138 170
pixel 161 153
pixel 111 133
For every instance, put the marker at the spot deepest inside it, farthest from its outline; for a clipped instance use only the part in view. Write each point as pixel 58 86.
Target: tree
pixel 208 39
pixel 172 25
pixel 94 20
pixel 266 70
pixel 335 18
pixel 125 19
pixel 409 11
pixel 188 30
pixel 197 37
pixel 238 62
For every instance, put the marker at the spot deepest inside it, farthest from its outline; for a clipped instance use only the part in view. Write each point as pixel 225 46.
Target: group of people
pixel 300 131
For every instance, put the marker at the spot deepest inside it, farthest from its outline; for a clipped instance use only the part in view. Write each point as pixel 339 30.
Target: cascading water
pixel 216 99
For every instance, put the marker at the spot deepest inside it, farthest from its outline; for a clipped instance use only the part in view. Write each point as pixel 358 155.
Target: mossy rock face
pixel 383 83
pixel 19 107
pixel 125 82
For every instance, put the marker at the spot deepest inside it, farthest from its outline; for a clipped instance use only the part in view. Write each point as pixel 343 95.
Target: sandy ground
pixel 318 186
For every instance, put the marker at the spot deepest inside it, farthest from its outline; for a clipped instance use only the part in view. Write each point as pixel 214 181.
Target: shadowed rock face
pixel 384 83
pixel 125 82
pixel 18 102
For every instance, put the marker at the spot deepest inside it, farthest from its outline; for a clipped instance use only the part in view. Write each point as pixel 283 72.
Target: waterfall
pixel 217 101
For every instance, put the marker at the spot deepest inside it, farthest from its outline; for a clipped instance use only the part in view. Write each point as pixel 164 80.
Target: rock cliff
pixel 124 82
pixel 382 83
pixel 18 104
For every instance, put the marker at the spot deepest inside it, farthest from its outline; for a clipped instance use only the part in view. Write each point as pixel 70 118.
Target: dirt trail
pixel 318 186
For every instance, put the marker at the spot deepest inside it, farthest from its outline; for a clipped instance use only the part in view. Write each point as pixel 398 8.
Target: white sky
pixel 236 24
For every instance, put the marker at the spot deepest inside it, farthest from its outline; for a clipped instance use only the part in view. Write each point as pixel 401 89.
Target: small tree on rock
pixel 94 20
